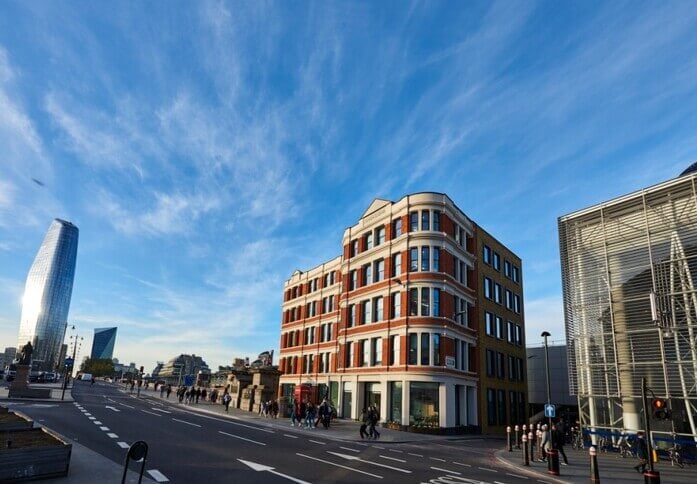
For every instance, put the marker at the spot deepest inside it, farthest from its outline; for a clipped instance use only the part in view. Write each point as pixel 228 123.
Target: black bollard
pixel 526 457
pixel 553 462
pixel 652 477
pixel 595 475
pixel 508 436
pixel 517 442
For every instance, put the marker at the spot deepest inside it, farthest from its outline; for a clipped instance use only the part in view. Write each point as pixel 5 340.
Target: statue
pixel 25 355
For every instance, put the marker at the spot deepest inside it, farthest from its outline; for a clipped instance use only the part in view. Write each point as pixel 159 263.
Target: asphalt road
pixel 188 447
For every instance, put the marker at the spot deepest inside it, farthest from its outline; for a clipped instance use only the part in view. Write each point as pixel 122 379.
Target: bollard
pixel 531 442
pixel 652 477
pixel 508 437
pixel 517 442
pixel 553 462
pixel 595 475
pixel 526 458
pixel 539 445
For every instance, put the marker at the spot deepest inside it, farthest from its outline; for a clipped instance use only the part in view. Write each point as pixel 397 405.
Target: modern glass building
pixel 47 294
pixel 103 343
pixel 629 271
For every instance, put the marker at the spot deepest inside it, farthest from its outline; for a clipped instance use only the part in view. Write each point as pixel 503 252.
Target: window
pixel 436 302
pixel 332 277
pixel 491 406
pixel 367 274
pixel 326 280
pixel 510 333
pixel 487 287
pixel 413 221
pixel 511 367
pixel 396 305
pixel 490 363
pixel 497 261
pixel 368 241
pixel 349 354
pixel 507 271
pixel 486 255
pixel 500 365
pixel 413 302
pixel 516 274
pixel 499 327
pixel 380 235
pixel 351 315
pixel 413 259
pixel 497 293
pixel 379 270
pixel 425 301
pixel 354 252
pixel 436 220
pixel 516 303
pixel 365 357
pixel 436 349
pixel 378 310
pixel 376 351
pixel 518 335
pixel 354 279
pixel 425 259
pixel 425 220
pixel 396 264
pixel 367 317
pixel 489 324
pixel 425 343
pixel 424 404
pixel 519 369
pixel 514 406
pixel 436 259
pixel 397 228
pixel 464 356
pixel 509 299
pixel 394 350
pixel 502 407
pixel 413 348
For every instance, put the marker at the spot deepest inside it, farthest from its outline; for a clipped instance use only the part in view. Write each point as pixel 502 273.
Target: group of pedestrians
pixel 268 409
pixel 308 415
pixel 191 395
pixel 369 420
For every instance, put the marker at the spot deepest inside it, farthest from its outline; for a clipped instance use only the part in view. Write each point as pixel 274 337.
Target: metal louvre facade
pixel 629 271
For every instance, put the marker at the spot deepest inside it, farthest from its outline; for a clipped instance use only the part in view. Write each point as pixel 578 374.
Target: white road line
pixel 486 469
pixel 318 442
pixel 227 421
pixel 446 470
pixel 350 449
pixel 151 413
pixel 87 414
pixel 123 445
pixel 377 447
pixel 185 422
pixel 516 475
pixel 241 438
pixel 339 465
pixel 415 455
pixel 124 405
pixel 97 422
pixel 461 464
pixel 113 435
pixel 358 443
pixel 160 410
pixel 436 458
pixel 157 475
pixel 105 429
pixel 395 450
pixel 499 482
pixel 290 436
pixel 392 458
pixel 92 418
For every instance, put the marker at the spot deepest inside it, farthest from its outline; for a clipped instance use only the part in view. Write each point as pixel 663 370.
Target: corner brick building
pixel 395 321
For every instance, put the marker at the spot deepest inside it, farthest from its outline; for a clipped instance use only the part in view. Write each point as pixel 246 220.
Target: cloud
pixel 544 314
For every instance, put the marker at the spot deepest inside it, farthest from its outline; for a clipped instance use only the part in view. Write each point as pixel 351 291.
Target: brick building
pixel 393 320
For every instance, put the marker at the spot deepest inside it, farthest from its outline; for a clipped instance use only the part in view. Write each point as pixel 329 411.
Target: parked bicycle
pixel 675 456
pixel 576 439
pixel 626 449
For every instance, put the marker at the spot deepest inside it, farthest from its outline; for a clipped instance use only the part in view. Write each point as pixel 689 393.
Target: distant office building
pixel 7 357
pixel 47 294
pixel 103 343
pixel 560 395
pixel 176 369
pixel 156 371
pixel 629 271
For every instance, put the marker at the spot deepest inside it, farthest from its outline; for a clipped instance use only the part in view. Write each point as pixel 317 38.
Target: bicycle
pixel 603 444
pixel 577 440
pixel 626 449
pixel 675 456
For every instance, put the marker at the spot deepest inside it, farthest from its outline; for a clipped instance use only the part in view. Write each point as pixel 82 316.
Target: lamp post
pixel 545 335
pixel 66 373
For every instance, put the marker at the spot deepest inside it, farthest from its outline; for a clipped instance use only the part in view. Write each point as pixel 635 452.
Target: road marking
pixel 105 429
pixel 359 443
pixel 516 475
pixel 461 464
pixel 339 465
pixel 241 438
pixel 446 470
pixel 499 482
pixel 392 458
pixel 113 435
pixel 92 418
pixel 151 413
pixel 318 442
pixel 353 457
pixel 225 420
pixel 290 436
pixel 486 469
pixel 395 450
pixel 415 455
pixel 112 408
pixel 160 410
pixel 124 405
pixel 123 445
pixel 436 458
pixel 157 475
pixel 377 447
pixel 185 422
pixel 87 414
pixel 263 468
pixel 97 422
pixel 350 449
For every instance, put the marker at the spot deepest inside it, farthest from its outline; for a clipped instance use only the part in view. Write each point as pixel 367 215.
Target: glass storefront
pixel 395 409
pixel 372 395
pixel 424 404
pixel 334 392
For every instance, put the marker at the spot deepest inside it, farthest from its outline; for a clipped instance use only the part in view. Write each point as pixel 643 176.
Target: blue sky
pixel 208 149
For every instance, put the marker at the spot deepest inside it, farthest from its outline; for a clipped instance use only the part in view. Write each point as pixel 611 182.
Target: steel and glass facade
pixel 47 294
pixel 103 343
pixel 629 269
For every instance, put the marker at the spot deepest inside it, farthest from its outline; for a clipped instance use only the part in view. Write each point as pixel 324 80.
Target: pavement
pixel 56 393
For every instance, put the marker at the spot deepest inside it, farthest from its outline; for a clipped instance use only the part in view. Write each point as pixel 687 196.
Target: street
pixel 185 446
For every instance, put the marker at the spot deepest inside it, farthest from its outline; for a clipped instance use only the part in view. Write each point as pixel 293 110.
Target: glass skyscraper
pixel 103 343
pixel 47 295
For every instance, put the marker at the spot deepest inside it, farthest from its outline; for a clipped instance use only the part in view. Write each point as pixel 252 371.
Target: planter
pixel 35 453
pixel 14 421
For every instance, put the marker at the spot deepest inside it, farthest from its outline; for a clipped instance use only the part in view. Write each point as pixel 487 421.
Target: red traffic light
pixel 660 409
pixel 659 404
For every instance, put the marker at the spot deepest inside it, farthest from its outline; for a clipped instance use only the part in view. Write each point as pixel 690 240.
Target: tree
pixel 98 367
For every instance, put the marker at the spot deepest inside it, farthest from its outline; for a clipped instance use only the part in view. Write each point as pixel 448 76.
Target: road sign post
pixel 550 411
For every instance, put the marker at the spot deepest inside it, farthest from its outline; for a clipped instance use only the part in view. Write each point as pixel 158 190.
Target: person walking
pixel 169 390
pixel 162 390
pixel 373 419
pixel 642 453
pixel 558 440
pixel 274 408
pixel 546 442
pixel 293 412
pixel 198 394
pixel 226 401
pixel 364 424
pixel 310 415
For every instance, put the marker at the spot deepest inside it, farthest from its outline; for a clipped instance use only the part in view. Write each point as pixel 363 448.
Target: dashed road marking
pixel 157 475
pixel 113 435
pixel 97 422
pixel 160 410
pixel 350 449
pixel 397 451
pixel 92 418
pixel 392 458
pixel 377 447
pixel 123 445
pixel 105 429
pixel 516 475
pixel 241 438
pixel 124 405
pixel 436 458
pixel 185 422
pixel 151 413
pixel 290 436
pixel 446 470
pixel 415 455
pixel 318 442
pixel 339 465
pixel 461 464
pixel 487 469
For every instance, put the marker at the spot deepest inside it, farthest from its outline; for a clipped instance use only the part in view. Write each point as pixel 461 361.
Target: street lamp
pixel 66 374
pixel 545 335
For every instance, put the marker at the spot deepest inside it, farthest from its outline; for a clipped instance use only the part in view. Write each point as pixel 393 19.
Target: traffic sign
pixel 69 362
pixel 188 380
pixel 550 410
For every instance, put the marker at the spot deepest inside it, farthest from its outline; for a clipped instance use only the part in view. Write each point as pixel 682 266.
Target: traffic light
pixel 660 409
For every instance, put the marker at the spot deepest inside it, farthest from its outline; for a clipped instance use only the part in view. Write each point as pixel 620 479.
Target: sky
pixel 206 150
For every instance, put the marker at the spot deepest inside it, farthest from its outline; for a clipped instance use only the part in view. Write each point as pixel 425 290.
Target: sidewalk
pixel 56 391
pixel 611 467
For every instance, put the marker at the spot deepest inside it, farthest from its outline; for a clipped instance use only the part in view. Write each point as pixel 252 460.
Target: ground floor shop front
pixel 404 400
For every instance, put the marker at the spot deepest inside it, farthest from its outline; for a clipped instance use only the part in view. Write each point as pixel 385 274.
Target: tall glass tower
pixel 103 343
pixel 47 295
